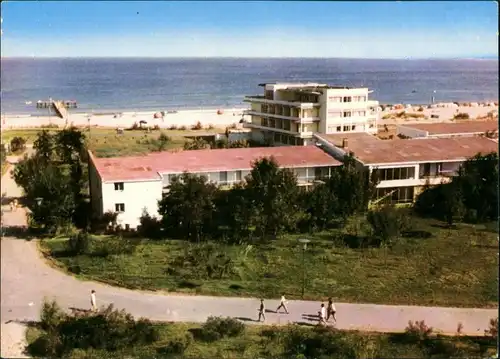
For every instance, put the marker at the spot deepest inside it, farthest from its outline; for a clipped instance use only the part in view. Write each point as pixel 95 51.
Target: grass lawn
pixel 105 142
pixel 267 342
pixel 453 267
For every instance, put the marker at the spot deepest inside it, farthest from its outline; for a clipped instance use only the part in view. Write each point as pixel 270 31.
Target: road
pixel 26 279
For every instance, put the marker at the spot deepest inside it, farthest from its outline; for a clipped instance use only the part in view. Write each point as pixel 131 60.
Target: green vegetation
pixel 115 334
pixel 431 265
pixel 461 116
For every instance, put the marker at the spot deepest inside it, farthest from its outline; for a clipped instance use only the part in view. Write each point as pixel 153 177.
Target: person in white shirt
pixel 322 314
pixel 283 304
pixel 93 302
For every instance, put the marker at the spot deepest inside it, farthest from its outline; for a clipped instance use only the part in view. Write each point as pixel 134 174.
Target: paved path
pixel 26 279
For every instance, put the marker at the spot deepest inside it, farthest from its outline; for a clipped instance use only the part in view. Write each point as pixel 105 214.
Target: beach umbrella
pixel 142 122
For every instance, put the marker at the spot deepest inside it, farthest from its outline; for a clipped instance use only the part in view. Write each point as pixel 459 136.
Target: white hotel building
pixel 290 113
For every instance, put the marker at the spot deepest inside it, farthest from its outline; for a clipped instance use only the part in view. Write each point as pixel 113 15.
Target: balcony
pixel 262 99
pixel 283 117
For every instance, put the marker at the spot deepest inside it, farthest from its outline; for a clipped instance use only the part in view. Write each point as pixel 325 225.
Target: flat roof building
pixel 290 113
pixel 406 166
pixel 454 129
pixel 129 185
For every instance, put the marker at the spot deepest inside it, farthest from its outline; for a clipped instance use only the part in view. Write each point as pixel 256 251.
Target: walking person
pixel 93 302
pixel 283 304
pixel 262 310
pixel 331 310
pixel 322 314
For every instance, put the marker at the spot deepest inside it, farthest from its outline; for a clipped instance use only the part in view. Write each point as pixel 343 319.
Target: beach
pixel 188 118
pixel 227 117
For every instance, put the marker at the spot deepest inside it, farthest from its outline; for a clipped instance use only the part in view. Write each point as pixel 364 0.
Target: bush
pixel 17 144
pixel 135 126
pixel 462 116
pixel 204 261
pixel 172 127
pixel 51 315
pixel 216 328
pixel 113 246
pixel 197 126
pixel 492 331
pixel 150 227
pixel 177 345
pixel 79 244
pixel 182 128
pixel 387 222
pixel 417 332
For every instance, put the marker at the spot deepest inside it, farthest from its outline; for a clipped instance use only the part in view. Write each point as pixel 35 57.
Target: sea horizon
pixel 107 84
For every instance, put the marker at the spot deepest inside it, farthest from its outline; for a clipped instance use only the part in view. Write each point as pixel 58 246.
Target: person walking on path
pixel 322 314
pixel 283 304
pixel 262 310
pixel 93 302
pixel 331 310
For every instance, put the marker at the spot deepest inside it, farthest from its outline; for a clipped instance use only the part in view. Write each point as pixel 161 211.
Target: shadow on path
pixel 245 319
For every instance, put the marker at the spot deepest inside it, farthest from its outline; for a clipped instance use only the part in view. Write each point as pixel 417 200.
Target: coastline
pixel 223 117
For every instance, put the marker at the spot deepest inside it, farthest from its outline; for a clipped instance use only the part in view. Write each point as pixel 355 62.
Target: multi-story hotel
pixel 290 113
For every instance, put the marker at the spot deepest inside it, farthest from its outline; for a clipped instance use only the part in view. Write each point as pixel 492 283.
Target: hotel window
pixel 347 114
pixel 238 176
pixel 353 127
pixel 272 123
pixel 362 98
pixel 119 207
pixel 264 108
pixel 390 174
pixel 339 128
pixel 119 186
pixel 223 177
pixel 265 122
pixel 347 99
pixel 395 195
pixel 277 137
pixel 286 125
pixel 346 128
pixel 269 94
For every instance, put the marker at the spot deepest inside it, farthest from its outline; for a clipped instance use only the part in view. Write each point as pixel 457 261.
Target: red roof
pixel 149 167
pixel 370 150
pixel 470 127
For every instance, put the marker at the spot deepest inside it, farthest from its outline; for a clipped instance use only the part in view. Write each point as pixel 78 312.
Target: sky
pixel 391 29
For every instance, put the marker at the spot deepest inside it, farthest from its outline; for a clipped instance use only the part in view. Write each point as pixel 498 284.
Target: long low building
pixel 454 129
pixel 130 185
pixel 406 166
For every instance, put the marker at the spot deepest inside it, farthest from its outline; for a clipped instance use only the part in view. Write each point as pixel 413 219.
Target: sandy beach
pixel 229 116
pixel 126 119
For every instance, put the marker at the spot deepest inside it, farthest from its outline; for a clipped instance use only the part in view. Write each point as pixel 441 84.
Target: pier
pixel 59 107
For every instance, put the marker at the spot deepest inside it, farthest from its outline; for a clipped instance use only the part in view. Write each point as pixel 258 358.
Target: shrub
pixel 156 128
pixel 46 345
pixel 492 331
pixel 197 126
pixel 135 126
pixel 172 127
pixel 177 345
pixel 216 328
pixel 420 109
pixel 79 244
pixel 51 315
pixel 183 128
pixel 113 246
pixel 150 227
pixel 461 116
pixel 386 222
pixel 211 127
pixel 417 332
pixel 205 261
pixel 17 144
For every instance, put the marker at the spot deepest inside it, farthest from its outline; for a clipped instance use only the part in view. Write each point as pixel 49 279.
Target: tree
pixel 69 145
pixel 3 154
pixel 321 207
pixel 478 182
pixel 44 145
pixel 49 193
pixel 234 213
pixel 196 144
pixel 387 222
pixel 352 186
pixel 17 144
pixel 274 198
pixel 188 209
pixel 162 142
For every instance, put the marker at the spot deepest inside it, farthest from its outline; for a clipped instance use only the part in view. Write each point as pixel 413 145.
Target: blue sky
pixel 395 29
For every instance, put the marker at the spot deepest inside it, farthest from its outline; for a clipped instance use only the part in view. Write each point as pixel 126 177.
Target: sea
pixel 140 84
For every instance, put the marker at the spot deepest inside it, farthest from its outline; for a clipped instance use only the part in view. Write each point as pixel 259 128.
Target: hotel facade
pixel 131 185
pixel 291 113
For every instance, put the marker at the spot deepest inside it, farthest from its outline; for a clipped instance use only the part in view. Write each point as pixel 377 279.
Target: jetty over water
pixel 59 107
